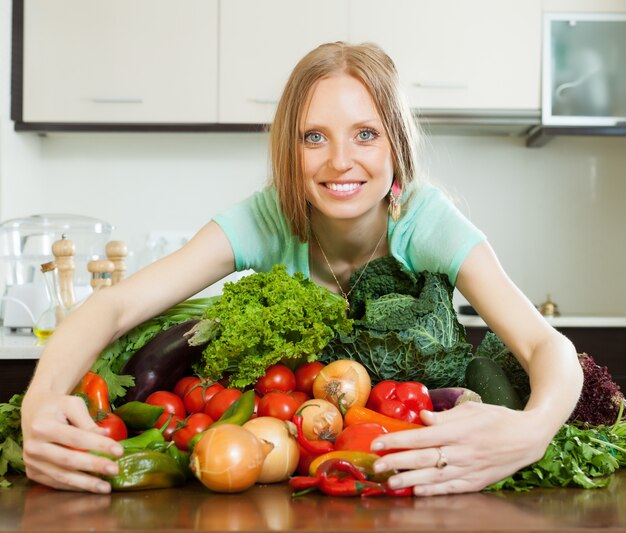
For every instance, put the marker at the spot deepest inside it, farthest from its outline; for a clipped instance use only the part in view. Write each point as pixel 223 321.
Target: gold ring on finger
pixel 442 461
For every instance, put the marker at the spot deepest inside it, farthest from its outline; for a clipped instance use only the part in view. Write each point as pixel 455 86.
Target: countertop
pixel 29 507
pixel 24 345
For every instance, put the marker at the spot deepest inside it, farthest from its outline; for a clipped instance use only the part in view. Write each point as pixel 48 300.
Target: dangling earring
pixel 394 201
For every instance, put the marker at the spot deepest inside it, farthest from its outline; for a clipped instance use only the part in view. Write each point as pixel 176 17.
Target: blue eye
pixel 367 135
pixel 313 137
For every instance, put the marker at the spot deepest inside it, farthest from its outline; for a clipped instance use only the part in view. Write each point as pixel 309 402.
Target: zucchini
pixel 486 377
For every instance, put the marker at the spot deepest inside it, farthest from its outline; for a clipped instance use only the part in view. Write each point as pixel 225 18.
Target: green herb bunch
pixel 10 438
pixel 266 318
pixel 579 455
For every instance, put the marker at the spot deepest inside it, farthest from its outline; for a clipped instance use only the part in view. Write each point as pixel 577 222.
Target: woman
pixel 344 191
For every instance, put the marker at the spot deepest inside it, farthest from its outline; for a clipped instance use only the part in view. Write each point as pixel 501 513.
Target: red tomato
pixel 279 405
pixel 199 394
pixel 277 378
pixel 169 400
pixel 114 425
pixel 173 425
pixel 195 423
pixel 300 396
pixel 184 384
pixel 359 437
pixel 305 376
pixel 216 406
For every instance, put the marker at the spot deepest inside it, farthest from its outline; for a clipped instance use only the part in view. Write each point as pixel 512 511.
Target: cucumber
pixel 486 377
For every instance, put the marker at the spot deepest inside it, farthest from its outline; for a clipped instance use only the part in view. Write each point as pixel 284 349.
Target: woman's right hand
pixel 56 427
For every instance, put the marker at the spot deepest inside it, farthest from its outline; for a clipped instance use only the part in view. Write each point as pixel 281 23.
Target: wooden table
pixel 29 507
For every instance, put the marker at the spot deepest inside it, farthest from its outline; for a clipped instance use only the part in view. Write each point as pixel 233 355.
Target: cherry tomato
pixel 169 400
pixel 305 375
pixel 174 423
pixel 300 396
pixel 199 394
pixel 194 423
pixel 257 399
pixel 184 384
pixel 277 378
pixel 359 437
pixel 216 406
pixel 114 425
pixel 279 405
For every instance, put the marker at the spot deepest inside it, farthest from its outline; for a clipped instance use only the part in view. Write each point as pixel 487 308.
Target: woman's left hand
pixel 463 449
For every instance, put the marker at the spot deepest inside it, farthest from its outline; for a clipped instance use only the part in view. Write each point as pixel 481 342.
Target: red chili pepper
pixel 401 400
pixel 299 483
pixel 93 389
pixel 316 447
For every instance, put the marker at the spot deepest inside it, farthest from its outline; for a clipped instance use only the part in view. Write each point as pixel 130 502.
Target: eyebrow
pixel 308 126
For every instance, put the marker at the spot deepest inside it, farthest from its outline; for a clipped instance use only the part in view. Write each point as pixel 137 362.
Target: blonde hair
pixel 369 64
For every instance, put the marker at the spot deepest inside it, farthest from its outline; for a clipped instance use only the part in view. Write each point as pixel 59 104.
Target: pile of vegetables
pixel 295 385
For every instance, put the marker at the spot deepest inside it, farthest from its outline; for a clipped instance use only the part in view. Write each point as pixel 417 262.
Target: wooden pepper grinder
pixel 64 251
pixel 101 270
pixel 116 252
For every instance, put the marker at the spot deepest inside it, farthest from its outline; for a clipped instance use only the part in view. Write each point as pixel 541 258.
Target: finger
pixel 73 437
pixel 407 460
pixel 62 479
pixel 60 457
pixel 77 414
pixel 427 437
pixel 453 486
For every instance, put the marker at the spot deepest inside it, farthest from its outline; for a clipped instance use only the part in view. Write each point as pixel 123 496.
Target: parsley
pixel 10 438
pixel 579 455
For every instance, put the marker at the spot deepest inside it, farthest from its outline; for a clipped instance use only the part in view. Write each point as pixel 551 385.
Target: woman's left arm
pixel 482 443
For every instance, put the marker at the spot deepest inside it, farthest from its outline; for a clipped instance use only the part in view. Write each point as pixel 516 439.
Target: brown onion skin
pixel 320 420
pixel 344 383
pixel 229 458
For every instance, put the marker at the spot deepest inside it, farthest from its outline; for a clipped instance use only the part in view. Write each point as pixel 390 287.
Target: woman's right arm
pixel 53 422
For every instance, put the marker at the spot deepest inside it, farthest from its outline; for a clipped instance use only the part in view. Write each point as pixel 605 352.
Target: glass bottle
pixel 52 316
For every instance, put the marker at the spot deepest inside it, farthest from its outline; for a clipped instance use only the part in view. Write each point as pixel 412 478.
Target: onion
pixel 321 420
pixel 229 458
pixel 344 383
pixel 282 461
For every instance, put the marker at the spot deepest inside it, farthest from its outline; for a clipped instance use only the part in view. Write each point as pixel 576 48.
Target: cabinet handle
pixel 263 101
pixel 440 85
pixel 105 100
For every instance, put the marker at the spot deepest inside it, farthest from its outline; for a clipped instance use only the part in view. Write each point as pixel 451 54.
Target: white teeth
pixel 342 186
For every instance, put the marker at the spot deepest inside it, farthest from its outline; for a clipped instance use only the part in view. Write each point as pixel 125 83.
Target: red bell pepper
pixel 93 389
pixel 401 400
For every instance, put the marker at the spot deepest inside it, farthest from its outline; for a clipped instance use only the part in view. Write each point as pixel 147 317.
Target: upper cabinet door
pixel 261 42
pixel 452 54
pixel 120 61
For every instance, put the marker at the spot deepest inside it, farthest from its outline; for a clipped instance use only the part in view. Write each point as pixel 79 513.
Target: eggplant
pixel 447 398
pixel 161 362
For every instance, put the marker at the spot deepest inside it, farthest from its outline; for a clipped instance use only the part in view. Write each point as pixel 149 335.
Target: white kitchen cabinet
pixel 455 54
pixel 120 61
pixel 261 42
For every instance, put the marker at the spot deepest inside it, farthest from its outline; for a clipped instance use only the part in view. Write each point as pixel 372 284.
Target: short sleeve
pixel 260 235
pixel 433 234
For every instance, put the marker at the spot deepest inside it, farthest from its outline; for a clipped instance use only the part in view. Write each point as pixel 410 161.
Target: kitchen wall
pixel 555 215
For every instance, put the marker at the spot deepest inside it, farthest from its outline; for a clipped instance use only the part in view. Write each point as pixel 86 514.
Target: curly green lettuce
pixel 266 318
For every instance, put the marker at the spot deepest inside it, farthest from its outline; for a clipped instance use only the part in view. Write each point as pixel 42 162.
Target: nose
pixel 341 157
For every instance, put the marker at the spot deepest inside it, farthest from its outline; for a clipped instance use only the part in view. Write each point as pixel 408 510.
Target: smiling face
pixel 347 162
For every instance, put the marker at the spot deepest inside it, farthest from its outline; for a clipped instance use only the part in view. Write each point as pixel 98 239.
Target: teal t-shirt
pixel 432 234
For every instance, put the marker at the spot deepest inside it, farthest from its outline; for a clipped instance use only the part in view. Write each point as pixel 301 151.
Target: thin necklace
pixel 344 293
